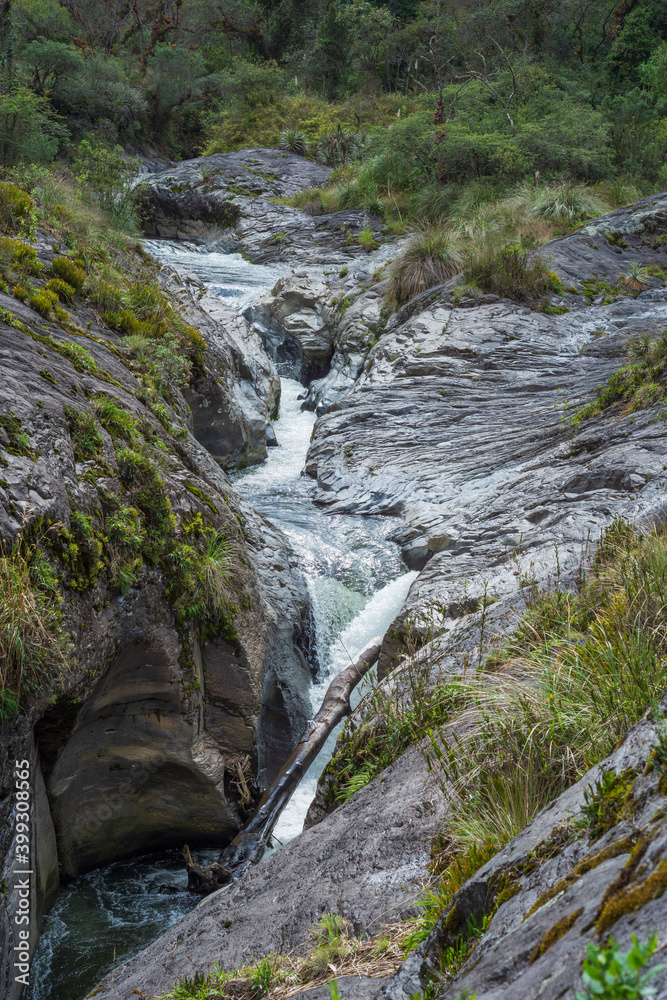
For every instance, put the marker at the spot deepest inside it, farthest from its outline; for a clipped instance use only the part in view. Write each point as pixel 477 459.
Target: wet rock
pixel 233 400
pixel 297 320
pixel 360 862
pixel 459 424
pixel 141 741
pixel 233 199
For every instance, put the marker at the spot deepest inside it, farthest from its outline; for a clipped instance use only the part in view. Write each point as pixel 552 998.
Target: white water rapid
pixel 357 587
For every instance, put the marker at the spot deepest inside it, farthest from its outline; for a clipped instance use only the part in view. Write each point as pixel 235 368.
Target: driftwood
pixel 249 845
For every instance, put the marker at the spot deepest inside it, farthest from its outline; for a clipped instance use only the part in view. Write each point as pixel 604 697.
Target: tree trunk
pixel 250 843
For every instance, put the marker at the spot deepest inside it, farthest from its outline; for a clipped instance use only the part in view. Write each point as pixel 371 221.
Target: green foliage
pixel 611 974
pixel 597 662
pixel 16 209
pixel 63 291
pixel 432 256
pixel 147 489
pixel 605 802
pixel 29 129
pixel 69 272
pixel 509 271
pixel 105 173
pixel 636 385
pixel 115 418
pixel 18 442
pixel 87 441
pixel 33 645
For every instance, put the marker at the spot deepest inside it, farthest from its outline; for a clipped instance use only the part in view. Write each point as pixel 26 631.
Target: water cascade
pixel 357 586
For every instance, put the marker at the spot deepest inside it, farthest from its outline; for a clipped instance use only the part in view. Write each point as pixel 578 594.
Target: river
pixel 357 585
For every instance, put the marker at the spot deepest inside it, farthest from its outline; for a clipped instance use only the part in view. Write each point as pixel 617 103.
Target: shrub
pixel 43 301
pixel 509 272
pixel 115 419
pixel 611 974
pixel 29 129
pixel 105 173
pixel 62 289
pixel 87 441
pixel 432 256
pixel 69 272
pixel 16 208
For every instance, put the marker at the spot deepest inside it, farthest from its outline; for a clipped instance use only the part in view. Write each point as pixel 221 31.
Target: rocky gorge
pixel 451 416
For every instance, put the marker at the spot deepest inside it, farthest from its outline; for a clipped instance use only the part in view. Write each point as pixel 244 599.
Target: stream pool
pixel 357 586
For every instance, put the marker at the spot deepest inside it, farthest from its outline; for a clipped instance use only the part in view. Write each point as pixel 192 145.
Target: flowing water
pixel 357 586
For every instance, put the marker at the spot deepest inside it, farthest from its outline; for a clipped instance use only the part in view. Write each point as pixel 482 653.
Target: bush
pixel 61 288
pixel 509 272
pixel 16 208
pixel 69 272
pixel 29 129
pixel 432 256
pixel 104 173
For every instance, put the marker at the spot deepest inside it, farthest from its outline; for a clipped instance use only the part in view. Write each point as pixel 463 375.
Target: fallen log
pixel 249 845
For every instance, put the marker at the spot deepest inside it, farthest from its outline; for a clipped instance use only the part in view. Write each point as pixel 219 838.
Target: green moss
pixel 195 490
pixel 586 865
pixel 555 933
pixel 632 898
pixel 19 442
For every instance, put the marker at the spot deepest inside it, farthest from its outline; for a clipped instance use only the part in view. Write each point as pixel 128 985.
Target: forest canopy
pixel 403 94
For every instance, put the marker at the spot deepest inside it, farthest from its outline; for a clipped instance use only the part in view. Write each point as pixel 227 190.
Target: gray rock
pixel 140 740
pixel 232 199
pixel 458 424
pixel 362 862
pixel 297 320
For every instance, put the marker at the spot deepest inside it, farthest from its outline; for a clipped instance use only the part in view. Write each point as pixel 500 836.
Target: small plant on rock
pixel 611 974
pixel 294 141
pixel 635 277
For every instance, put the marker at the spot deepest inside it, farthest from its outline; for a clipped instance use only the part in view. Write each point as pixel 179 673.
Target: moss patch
pixel 555 933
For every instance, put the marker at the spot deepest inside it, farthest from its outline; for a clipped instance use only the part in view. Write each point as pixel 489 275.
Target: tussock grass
pixel 591 664
pixel 433 255
pixel 33 646
pixel 333 952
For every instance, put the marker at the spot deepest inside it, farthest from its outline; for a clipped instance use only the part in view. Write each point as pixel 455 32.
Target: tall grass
pixel 590 665
pixel 32 643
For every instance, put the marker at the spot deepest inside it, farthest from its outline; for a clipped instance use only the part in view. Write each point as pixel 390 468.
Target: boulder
pixel 235 200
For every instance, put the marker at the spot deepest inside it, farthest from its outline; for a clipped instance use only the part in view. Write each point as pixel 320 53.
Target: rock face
pixel 360 862
pixel 141 741
pixel 232 199
pixel 459 424
pixel 235 398
pixel 297 320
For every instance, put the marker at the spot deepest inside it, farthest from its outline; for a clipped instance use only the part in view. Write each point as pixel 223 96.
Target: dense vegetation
pixel 408 98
